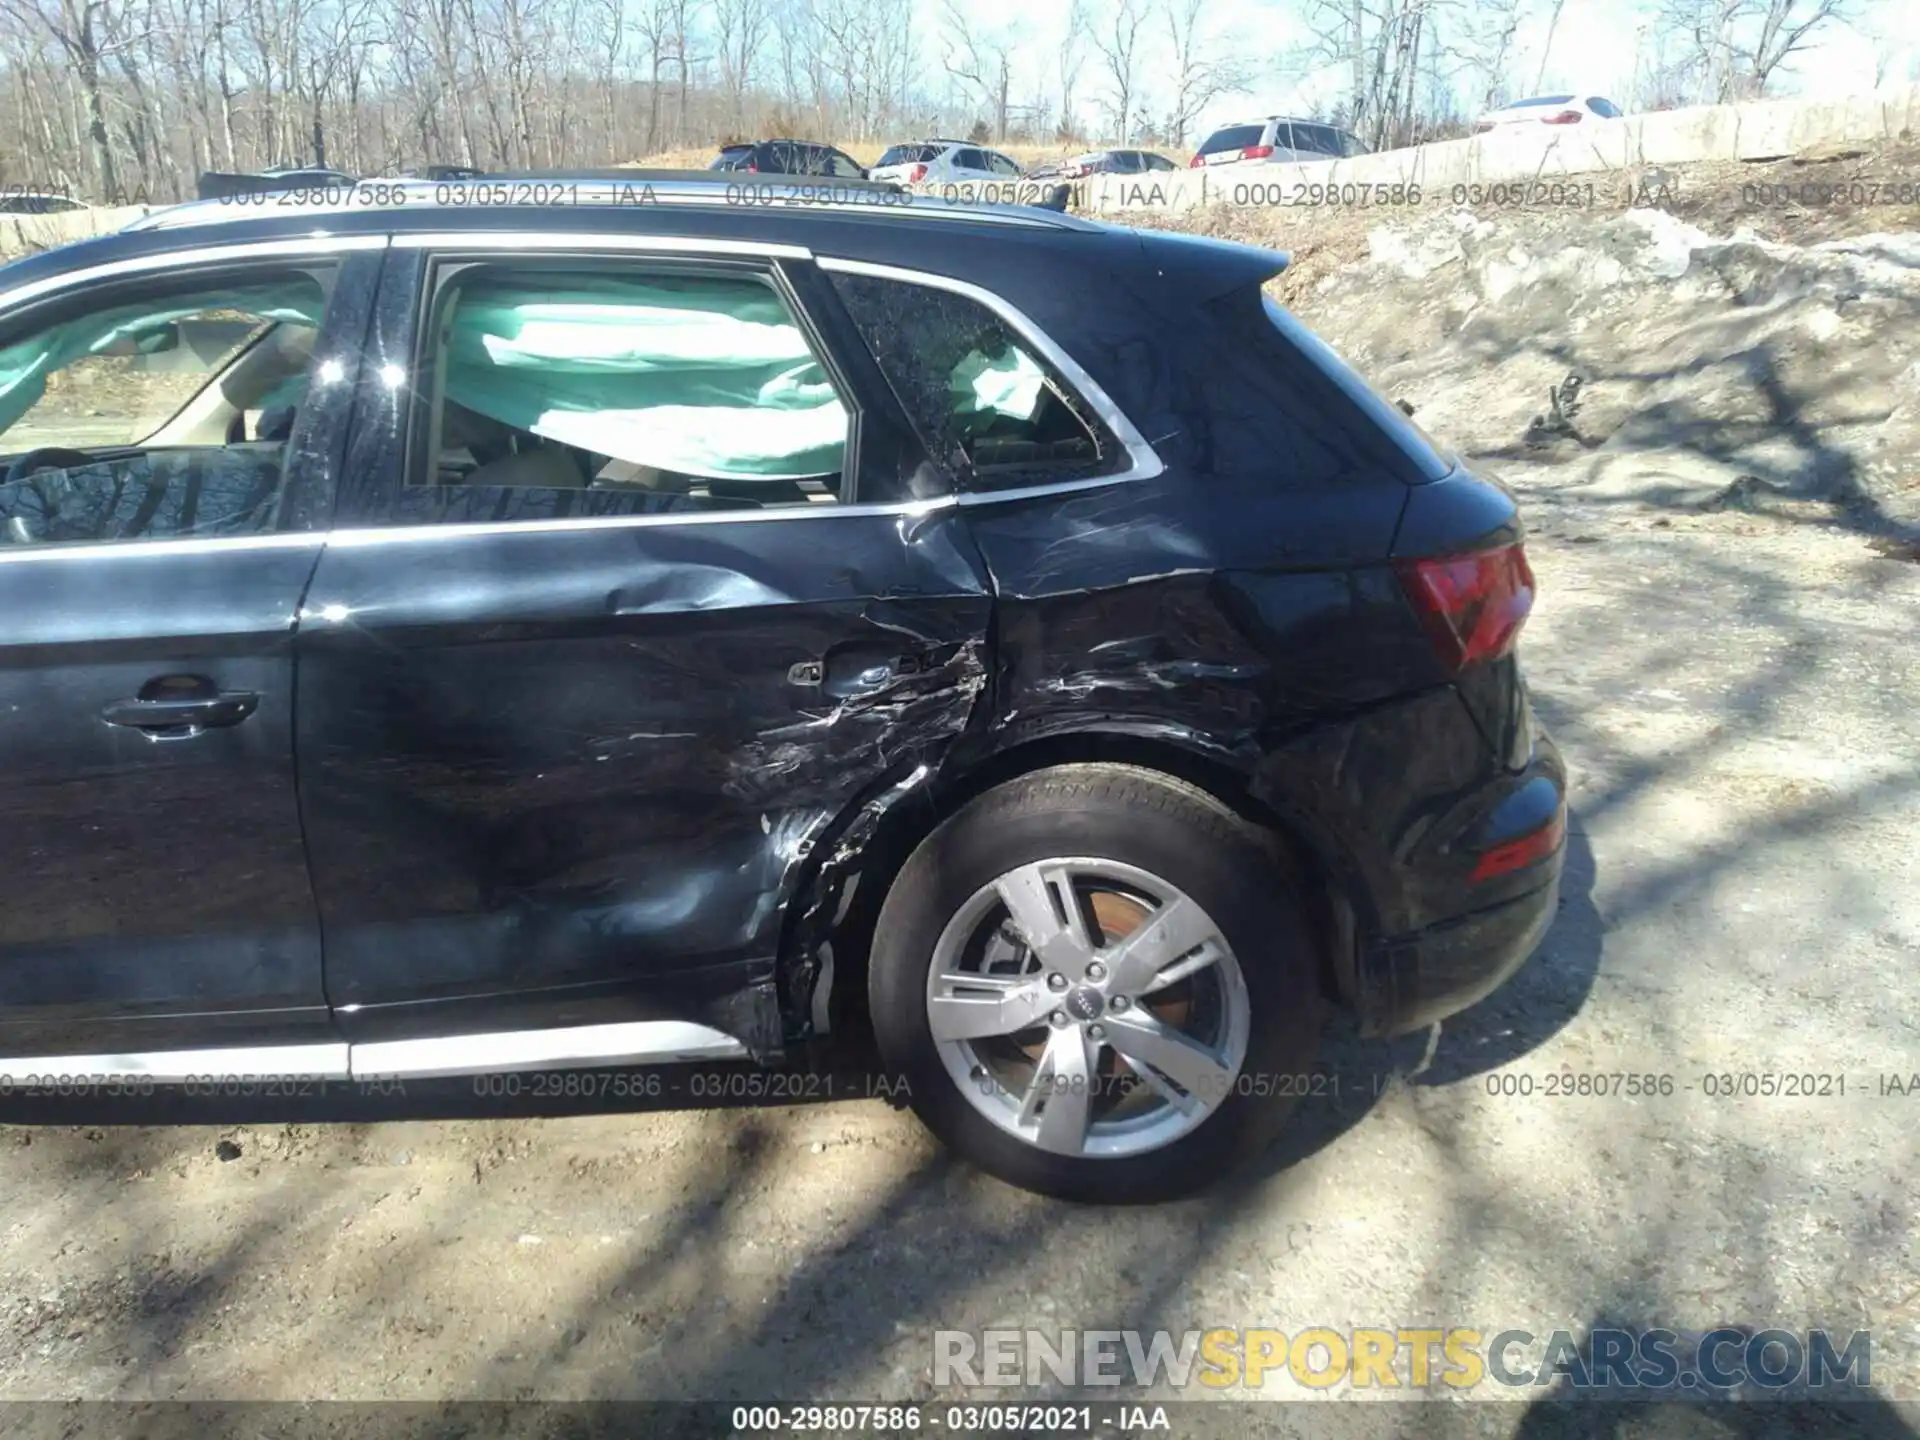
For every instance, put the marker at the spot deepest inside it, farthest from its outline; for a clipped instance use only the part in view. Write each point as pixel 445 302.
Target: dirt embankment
pixel 1697 339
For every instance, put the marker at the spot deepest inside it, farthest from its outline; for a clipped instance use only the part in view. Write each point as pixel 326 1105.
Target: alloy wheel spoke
pixel 1037 896
pixel 1144 1042
pixel 1060 1097
pixel 976 1007
pixel 1144 961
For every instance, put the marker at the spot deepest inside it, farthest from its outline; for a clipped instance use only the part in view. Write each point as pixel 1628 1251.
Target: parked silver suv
pixel 1275 140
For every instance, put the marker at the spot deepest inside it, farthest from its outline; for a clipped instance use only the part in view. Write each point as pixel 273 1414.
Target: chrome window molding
pixel 321 244
pixel 363 537
pixel 589 240
pixel 185 545
pixel 1144 464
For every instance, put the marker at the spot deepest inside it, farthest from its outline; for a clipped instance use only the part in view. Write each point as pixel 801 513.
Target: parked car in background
pixel 944 162
pixel 741 618
pixel 1278 139
pixel 1102 162
pixel 788 157
pixel 37 202
pixel 1549 110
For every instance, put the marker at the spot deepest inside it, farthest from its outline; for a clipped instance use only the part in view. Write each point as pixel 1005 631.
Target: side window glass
pixel 969 160
pixel 842 165
pixel 163 414
pixel 584 390
pixel 1002 165
pixel 987 406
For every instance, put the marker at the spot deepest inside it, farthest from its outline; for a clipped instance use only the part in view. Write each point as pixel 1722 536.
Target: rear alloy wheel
pixel 1093 979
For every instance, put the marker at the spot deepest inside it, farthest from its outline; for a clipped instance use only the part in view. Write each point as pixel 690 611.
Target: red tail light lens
pixel 1256 152
pixel 1518 854
pixel 1196 162
pixel 1472 605
pixel 752 169
pixel 916 175
pixel 1565 117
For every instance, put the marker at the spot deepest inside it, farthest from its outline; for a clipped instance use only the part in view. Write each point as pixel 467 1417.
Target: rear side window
pixel 969 160
pixel 732 158
pixel 987 406
pixel 910 155
pixel 1602 107
pixel 1234 137
pixel 1316 139
pixel 679 391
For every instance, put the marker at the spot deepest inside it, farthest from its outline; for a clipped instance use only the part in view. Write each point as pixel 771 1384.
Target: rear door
pixel 630 607
pixel 169 431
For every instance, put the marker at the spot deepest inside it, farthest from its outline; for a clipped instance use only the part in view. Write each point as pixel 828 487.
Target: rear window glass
pixel 987 407
pixel 1234 137
pixel 1542 100
pixel 910 155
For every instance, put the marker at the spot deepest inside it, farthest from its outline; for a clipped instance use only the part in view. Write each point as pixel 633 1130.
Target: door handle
pixel 859 669
pixel 180 706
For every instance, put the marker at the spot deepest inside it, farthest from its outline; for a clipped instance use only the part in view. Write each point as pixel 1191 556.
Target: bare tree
pixel 739 31
pixel 1118 36
pixel 1786 27
pixel 983 62
pixel 1205 66
pixel 1072 58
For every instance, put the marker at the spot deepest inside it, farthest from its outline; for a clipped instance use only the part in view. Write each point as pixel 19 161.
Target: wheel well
pixel 897 835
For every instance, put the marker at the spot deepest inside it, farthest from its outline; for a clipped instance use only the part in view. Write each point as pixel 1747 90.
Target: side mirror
pixel 159 341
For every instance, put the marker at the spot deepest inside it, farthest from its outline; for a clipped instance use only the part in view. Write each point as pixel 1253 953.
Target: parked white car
pixel 943 162
pixel 1548 110
pixel 1275 140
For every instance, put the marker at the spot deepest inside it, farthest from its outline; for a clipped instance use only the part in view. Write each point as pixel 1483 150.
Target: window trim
pixel 1144 463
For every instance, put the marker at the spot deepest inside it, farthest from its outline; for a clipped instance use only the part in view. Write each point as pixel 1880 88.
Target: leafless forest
pixel 116 100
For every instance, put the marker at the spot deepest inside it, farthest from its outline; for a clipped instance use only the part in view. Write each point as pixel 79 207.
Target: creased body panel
pixel 565 776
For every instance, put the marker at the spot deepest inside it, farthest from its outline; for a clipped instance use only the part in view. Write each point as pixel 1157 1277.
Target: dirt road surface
pixel 1736 691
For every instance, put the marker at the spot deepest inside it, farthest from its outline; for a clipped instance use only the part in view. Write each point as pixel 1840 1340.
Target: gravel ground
pixel 1736 695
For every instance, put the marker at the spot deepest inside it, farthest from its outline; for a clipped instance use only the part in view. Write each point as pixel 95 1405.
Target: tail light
pixel 1565 117
pixel 916 175
pixel 1197 162
pixel 752 169
pixel 1256 152
pixel 1471 605
pixel 1518 854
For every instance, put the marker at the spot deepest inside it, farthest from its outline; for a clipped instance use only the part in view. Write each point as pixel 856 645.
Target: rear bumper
pixel 1410 981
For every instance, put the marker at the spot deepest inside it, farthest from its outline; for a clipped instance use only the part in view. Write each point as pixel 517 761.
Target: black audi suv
pixel 439 638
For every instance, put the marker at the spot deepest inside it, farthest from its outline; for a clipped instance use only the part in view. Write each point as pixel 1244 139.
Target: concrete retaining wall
pixel 1756 130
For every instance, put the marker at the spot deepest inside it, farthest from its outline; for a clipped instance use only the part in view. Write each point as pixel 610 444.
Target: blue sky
pixel 1594 49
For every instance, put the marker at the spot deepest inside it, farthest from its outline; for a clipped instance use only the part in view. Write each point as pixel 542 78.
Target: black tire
pixel 1139 817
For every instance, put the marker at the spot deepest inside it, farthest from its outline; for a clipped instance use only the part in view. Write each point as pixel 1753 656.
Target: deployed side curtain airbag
pixel 138 327
pixel 703 377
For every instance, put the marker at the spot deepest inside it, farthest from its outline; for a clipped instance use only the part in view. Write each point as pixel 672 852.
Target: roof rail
pixel 621 189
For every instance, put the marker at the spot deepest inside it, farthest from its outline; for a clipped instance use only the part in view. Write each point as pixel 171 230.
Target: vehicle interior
pixel 161 419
